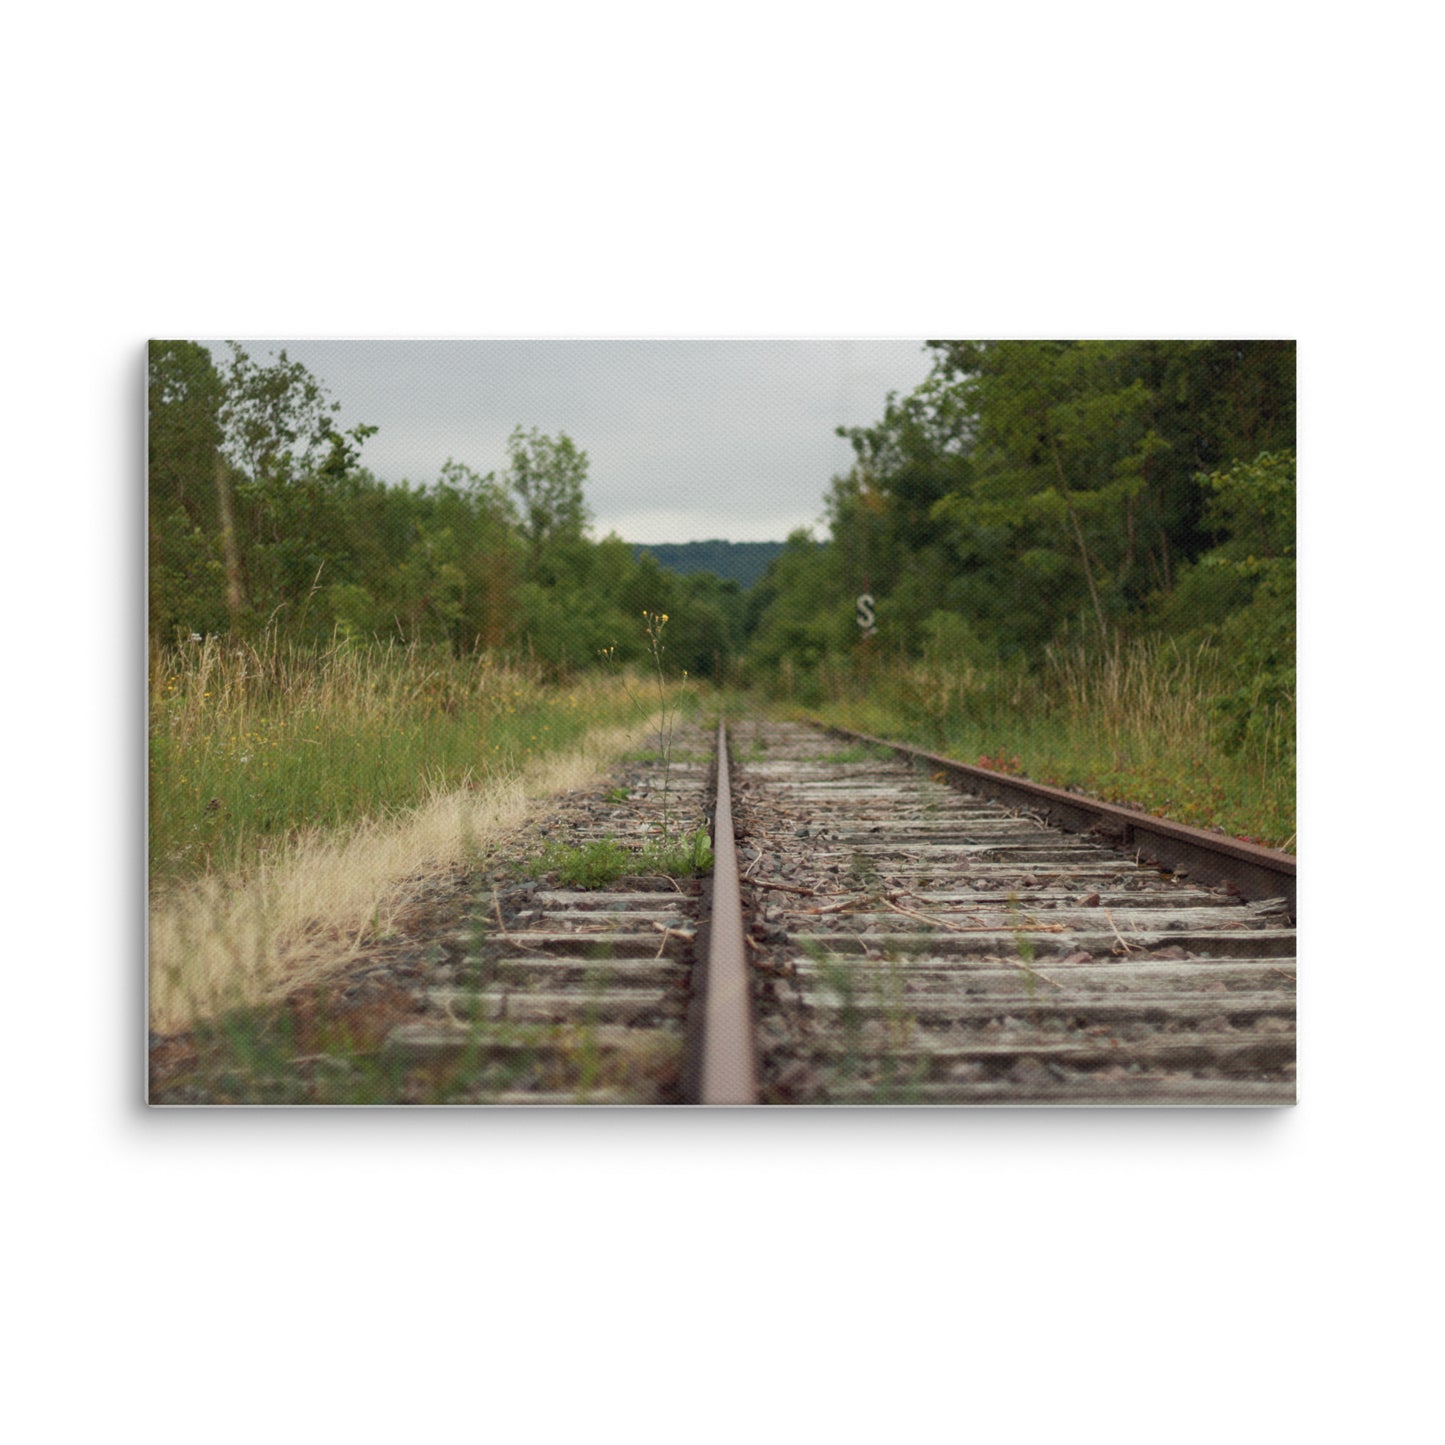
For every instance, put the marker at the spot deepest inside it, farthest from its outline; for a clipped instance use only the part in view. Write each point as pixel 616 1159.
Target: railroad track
pixel 872 934
pixel 876 930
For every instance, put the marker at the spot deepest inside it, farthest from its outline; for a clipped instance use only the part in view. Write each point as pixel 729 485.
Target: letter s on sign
pixel 865 613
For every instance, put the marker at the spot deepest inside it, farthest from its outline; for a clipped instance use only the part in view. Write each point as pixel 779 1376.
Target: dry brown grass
pixel 227 941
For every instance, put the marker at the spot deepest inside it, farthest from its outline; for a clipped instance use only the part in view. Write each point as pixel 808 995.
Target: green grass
pixel 605 860
pixel 1139 725
pixel 592 865
pixel 253 744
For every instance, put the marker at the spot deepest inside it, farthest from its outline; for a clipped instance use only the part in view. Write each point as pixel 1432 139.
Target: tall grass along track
pixel 304 799
pixel 234 940
pixel 256 745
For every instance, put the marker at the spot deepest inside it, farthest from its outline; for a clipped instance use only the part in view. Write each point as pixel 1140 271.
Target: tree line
pixel 262 516
pixel 743 562
pixel 1030 492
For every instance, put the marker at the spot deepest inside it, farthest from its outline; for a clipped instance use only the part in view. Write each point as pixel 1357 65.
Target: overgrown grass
pixel 1138 723
pixel 253 745
pixel 303 800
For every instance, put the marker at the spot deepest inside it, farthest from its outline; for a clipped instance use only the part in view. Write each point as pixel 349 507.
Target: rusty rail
pixel 1213 858
pixel 728 1072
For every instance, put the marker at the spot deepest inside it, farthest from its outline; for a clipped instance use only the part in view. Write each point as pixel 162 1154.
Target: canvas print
pixel 816 723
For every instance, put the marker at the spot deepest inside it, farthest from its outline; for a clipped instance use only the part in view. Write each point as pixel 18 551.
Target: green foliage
pixel 798 613
pixel 1255 503
pixel 187 577
pixel 278 421
pixel 1025 488
pixel 1029 486
pixel 687 856
pixel 1062 445
pixel 590 865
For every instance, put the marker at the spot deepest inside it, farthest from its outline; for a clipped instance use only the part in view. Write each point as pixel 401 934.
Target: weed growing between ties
pixel 592 865
pixel 687 856
pixel 604 860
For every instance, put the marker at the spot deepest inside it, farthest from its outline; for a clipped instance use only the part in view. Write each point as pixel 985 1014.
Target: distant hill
pixel 743 562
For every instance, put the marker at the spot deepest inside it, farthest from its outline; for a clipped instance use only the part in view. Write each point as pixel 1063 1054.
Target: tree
pixel 278 418
pixel 800 613
pixel 478 513
pixel 183 438
pixel 281 482
pixel 1110 435
pixel 1254 503
pixel 547 475
pixel 184 394
pixel 1063 443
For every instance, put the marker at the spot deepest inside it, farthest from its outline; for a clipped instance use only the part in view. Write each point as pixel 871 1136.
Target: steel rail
pixel 1257 872
pixel 728 1072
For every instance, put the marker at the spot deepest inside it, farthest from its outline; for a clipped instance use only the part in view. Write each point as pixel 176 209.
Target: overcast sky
pixel 686 440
